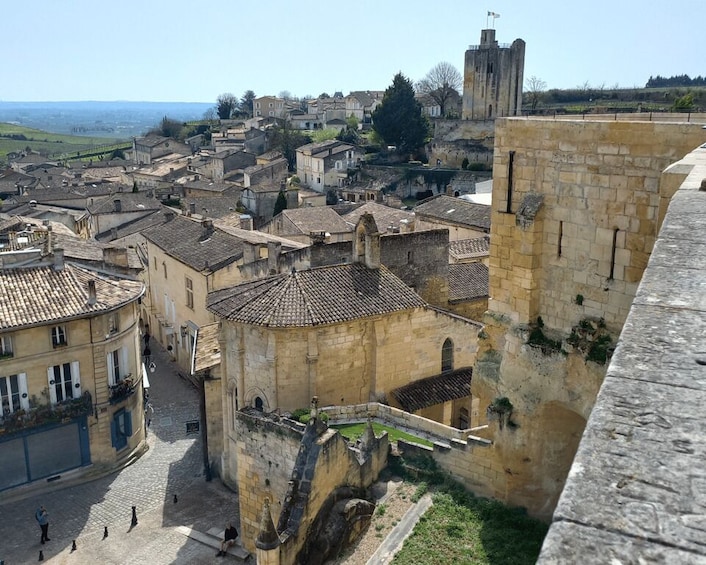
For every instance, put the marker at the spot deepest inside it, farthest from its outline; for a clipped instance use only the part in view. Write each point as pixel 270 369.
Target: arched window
pixel 447 356
pixel 258 403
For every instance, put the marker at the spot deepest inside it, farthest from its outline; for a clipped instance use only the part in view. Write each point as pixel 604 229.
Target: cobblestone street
pixel 173 465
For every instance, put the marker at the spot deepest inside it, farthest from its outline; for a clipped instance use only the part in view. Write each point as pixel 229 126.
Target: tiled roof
pixel 321 146
pixel 434 390
pixel 469 248
pixel 454 210
pixel 195 245
pixel 467 281
pixel 136 226
pixel 208 352
pixel 384 215
pixel 129 202
pixel 325 295
pixel 314 219
pixel 43 295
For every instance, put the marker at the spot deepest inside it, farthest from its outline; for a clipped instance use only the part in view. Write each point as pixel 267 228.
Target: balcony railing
pixel 122 390
pixel 44 414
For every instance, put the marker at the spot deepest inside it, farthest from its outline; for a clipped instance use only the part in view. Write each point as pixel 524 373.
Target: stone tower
pixel 492 78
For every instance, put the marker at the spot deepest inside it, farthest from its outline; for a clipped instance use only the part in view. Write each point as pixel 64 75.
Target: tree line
pixel 676 80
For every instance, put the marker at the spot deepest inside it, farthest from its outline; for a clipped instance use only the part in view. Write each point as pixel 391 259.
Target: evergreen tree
pixel 398 120
pixel 281 203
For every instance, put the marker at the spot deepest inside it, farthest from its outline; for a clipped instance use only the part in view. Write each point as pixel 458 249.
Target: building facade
pixel 71 373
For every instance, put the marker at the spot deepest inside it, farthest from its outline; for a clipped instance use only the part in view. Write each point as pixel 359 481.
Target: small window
pixel 189 293
pixel 259 405
pixel 6 346
pixel 113 323
pixel 447 356
pixel 164 266
pixel 155 263
pixel 13 394
pixel 58 336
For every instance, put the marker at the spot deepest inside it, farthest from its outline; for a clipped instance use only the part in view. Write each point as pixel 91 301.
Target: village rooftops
pixel 34 296
pixel 324 295
pixel 200 245
pixel 450 210
pixel 303 221
pixel 124 202
pixel 385 216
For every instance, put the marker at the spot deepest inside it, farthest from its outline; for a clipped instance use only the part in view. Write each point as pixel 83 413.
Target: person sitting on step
pixel 229 537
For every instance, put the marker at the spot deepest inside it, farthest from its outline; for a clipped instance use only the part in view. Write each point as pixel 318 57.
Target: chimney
pixel 168 216
pixel 207 229
pixel 249 253
pixel 246 222
pixel 58 259
pixel 50 239
pixel 91 292
pixel 117 205
pixel 274 250
pixel 116 256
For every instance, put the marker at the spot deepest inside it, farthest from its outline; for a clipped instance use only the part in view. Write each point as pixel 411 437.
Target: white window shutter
pixel 111 370
pixel 24 395
pixel 52 389
pixel 75 379
pixel 124 365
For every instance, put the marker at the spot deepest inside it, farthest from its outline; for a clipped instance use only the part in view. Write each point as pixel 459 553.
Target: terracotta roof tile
pixel 457 211
pixel 467 281
pixel 325 295
pixel 434 390
pixel 208 352
pixel 470 248
pixel 42 295
pixel 194 245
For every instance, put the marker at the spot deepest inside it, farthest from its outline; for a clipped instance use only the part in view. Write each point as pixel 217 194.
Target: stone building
pixel 70 368
pixel 346 333
pixel 492 78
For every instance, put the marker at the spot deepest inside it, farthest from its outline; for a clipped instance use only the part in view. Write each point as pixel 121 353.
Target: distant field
pixel 57 146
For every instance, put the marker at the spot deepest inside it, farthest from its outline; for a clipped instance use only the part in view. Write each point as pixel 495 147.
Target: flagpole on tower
pixel 491 15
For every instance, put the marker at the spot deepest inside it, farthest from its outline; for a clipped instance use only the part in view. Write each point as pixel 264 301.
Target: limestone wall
pixel 635 489
pixel 342 363
pixel 584 206
pixel 266 453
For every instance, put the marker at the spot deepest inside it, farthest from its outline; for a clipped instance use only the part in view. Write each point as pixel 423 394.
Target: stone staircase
pixel 213 538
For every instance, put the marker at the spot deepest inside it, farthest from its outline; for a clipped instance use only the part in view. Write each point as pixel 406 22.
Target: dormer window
pixel 58 336
pixel 6 346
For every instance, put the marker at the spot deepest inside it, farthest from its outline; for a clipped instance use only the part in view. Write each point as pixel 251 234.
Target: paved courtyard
pixel 173 465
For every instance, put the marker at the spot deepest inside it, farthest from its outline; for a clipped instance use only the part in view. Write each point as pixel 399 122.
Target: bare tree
pixel 534 86
pixel 441 84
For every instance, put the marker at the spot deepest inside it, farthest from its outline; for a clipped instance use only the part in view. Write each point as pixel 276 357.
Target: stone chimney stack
pixel 117 205
pixel 91 292
pixel 58 259
pixel 246 222
pixel 274 250
pixel 115 256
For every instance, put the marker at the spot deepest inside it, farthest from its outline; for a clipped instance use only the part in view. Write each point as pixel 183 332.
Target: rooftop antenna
pixel 491 15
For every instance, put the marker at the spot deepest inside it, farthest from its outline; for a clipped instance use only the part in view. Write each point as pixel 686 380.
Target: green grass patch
pixel 460 528
pixel 353 431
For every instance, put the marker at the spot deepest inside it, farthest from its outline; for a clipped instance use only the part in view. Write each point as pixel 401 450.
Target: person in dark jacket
pixel 43 521
pixel 229 537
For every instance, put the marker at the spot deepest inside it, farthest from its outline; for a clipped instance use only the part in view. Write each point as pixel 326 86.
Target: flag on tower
pixel 493 15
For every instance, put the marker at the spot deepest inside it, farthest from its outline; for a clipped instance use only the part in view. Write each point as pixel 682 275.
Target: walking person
pixel 43 521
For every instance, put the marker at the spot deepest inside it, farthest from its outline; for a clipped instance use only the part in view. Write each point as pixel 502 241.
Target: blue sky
pixel 178 50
